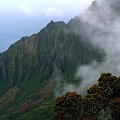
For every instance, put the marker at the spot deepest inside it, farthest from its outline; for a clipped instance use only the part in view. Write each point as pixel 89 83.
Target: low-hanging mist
pixel 101 25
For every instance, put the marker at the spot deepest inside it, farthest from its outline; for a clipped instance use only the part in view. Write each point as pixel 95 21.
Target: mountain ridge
pixel 35 65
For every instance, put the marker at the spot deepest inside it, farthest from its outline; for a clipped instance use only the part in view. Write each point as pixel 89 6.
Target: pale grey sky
pixel 19 18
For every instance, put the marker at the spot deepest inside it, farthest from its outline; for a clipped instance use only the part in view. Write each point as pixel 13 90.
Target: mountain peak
pixel 58 23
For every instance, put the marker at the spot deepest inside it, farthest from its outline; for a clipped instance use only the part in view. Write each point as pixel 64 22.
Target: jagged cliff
pixel 37 57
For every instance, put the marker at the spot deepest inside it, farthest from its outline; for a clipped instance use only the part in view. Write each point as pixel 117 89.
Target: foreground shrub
pixel 68 107
pixel 102 97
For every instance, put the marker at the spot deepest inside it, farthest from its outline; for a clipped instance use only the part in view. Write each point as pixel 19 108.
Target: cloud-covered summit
pixel 100 23
pixel 103 32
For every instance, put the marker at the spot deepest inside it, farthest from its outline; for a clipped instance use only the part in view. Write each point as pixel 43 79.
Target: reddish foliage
pixel 116 109
pixel 68 106
pixel 85 118
pixel 102 96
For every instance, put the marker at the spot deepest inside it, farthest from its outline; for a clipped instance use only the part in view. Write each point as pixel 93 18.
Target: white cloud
pixel 35 11
pixel 45 7
pixel 28 10
pixel 51 12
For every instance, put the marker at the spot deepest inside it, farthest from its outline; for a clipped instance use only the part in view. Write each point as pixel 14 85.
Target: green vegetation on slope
pixel 34 63
pixel 35 59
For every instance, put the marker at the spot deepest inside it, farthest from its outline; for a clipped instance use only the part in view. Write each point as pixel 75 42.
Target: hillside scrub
pixel 102 99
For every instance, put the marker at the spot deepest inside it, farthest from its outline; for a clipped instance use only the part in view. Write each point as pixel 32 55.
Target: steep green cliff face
pixel 36 59
pixel 29 69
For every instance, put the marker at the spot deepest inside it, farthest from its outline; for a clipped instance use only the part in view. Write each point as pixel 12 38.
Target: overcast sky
pixel 19 18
